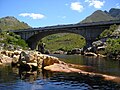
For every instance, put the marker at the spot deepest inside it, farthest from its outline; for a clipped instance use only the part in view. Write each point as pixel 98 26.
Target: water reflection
pixel 31 76
pixel 18 79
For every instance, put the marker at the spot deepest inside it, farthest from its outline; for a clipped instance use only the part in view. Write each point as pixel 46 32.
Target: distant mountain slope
pixel 114 12
pixel 98 16
pixel 11 23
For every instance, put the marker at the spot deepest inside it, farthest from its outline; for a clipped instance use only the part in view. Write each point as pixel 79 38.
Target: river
pixel 16 79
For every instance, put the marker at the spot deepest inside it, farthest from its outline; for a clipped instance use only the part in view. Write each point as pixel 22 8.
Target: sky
pixel 40 13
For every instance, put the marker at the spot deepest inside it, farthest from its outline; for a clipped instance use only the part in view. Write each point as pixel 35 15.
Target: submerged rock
pixel 90 54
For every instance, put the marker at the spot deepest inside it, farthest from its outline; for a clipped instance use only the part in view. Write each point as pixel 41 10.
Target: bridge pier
pixel 89 43
pixel 32 45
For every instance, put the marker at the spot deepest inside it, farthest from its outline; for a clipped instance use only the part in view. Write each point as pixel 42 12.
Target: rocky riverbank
pixel 29 60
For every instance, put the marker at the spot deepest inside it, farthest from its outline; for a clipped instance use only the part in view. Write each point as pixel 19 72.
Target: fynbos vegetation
pixel 113 41
pixel 9 38
pixel 63 42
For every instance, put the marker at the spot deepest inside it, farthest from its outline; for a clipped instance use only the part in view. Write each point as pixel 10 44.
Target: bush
pixel 113 46
pixel 108 32
pixel 12 38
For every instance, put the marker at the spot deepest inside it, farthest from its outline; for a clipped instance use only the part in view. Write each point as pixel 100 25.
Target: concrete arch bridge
pixel 90 31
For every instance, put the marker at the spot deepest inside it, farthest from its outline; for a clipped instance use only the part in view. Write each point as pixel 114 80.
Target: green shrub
pixel 108 32
pixel 113 46
pixel 12 38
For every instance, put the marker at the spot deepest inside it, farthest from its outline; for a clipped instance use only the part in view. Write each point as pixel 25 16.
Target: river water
pixel 16 79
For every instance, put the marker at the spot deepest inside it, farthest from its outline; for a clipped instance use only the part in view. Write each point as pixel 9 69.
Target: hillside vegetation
pixel 113 41
pixel 11 23
pixel 9 40
pixel 64 41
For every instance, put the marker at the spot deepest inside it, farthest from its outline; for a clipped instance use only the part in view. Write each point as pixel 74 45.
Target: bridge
pixel 90 31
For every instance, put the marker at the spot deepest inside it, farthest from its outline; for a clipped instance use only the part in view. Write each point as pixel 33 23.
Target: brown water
pixel 17 79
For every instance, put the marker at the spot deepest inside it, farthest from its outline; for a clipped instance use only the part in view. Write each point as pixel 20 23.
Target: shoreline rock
pixel 90 54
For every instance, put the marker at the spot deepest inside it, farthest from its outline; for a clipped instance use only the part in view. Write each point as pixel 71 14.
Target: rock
pixel 15 59
pixel 10 47
pixel 17 52
pixel 1 44
pixel 5 59
pixel 41 47
pixel 90 54
pixel 32 65
pixel 58 52
pixel 100 55
pixel 69 52
pixel 3 52
pixel 88 49
pixel 47 52
pixel 98 43
pixel 101 48
pixel 49 60
pixel 7 53
pixel 76 51
pixel 40 62
pixel 60 68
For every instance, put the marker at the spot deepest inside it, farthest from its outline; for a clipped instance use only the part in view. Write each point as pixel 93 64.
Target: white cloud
pixel 32 15
pixel 117 5
pixel 96 3
pixel 76 6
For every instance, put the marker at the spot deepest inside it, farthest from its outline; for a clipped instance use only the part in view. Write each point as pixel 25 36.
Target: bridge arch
pixel 34 39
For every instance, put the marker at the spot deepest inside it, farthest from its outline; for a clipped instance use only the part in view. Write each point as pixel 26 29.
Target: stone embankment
pixel 29 60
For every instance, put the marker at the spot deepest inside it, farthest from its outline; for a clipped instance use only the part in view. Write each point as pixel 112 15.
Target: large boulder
pixel 15 59
pixel 5 59
pixel 49 60
pixel 61 68
pixel 98 43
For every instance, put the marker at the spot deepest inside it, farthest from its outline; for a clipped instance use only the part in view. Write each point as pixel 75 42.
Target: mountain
pixel 114 12
pixel 11 23
pixel 98 16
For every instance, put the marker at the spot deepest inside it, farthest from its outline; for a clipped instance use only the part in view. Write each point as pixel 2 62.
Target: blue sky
pixel 38 13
